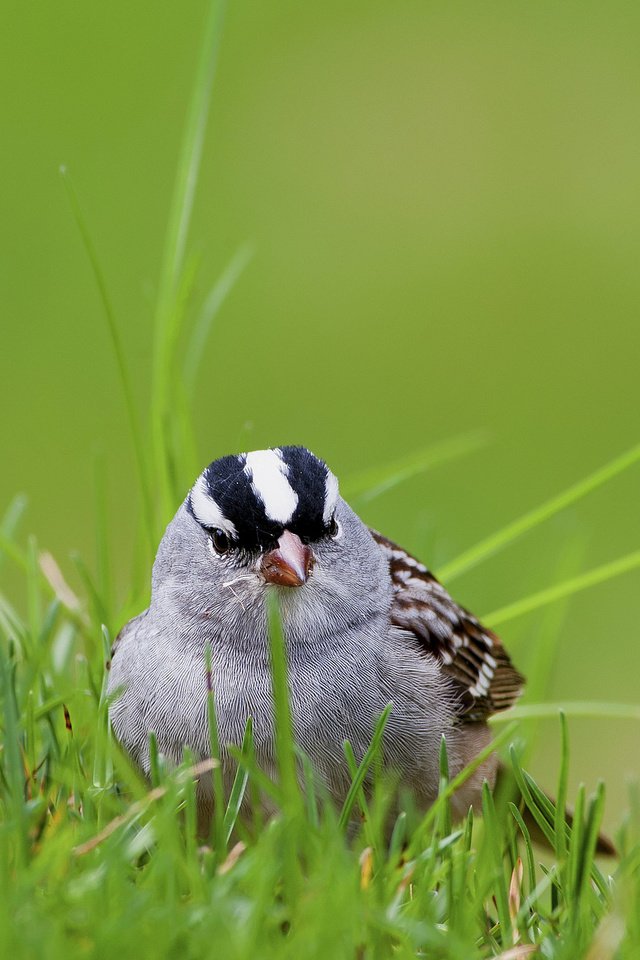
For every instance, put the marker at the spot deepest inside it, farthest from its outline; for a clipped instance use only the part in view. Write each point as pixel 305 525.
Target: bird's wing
pixel 470 654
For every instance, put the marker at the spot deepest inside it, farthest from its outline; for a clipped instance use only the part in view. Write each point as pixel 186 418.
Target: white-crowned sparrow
pixel 364 622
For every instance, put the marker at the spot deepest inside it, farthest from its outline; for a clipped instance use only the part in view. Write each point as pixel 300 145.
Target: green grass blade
pixel 210 309
pixel 285 747
pixel 565 589
pixel 258 779
pixel 363 769
pixel 352 765
pixel 501 538
pixel 119 353
pixel 373 482
pixel 13 515
pixel 575 844
pixel 528 846
pixel 9 524
pixel 310 790
pixel 14 553
pixel 103 558
pixel 561 797
pixel 239 786
pixel 494 843
pixel 445 795
pixel 12 763
pixel 594 709
pixel 444 782
pixel 538 805
pixel 595 814
pixel 219 841
pixel 176 238
pixel 102 765
pixel 549 629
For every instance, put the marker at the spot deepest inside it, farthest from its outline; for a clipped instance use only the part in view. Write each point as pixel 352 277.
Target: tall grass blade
pixel 103 560
pixel 565 589
pixel 219 840
pixel 176 238
pixel 561 797
pixel 285 747
pixel 210 309
pixel 501 538
pixel 118 350
pixel 374 481
pixel 549 627
pixel 594 709
pixel 494 843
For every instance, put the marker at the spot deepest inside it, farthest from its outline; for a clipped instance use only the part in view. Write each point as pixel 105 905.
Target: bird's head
pixel 263 520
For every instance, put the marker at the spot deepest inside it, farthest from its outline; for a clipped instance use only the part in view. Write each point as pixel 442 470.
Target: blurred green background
pixel 443 206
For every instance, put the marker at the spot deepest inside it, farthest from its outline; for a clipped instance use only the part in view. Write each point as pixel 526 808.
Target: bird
pixel 365 624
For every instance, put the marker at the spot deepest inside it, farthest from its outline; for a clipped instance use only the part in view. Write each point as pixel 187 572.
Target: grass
pixel 95 861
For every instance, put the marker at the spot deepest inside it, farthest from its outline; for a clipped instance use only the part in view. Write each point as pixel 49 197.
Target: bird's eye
pixel 220 541
pixel 334 527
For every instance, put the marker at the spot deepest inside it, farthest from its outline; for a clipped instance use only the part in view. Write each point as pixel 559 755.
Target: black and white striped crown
pixel 254 496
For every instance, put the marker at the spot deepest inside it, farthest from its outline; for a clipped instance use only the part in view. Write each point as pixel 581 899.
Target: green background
pixel 443 206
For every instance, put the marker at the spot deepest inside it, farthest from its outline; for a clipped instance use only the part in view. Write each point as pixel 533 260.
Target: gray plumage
pixel 350 642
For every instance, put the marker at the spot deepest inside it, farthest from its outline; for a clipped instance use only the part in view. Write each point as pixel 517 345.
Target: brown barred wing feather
pixel 470 654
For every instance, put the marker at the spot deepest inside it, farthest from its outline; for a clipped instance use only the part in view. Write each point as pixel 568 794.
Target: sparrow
pixel 365 624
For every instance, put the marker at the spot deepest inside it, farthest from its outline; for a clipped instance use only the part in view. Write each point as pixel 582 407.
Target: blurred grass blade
pixel 176 237
pixel 549 627
pixel 11 623
pixel 310 790
pixel 103 556
pixel 497 541
pixel 217 825
pixel 284 741
pixel 373 482
pixel 102 765
pixel 9 549
pixel 9 524
pixel 580 708
pixel 210 309
pixel 565 589
pixel 12 763
pixel 118 349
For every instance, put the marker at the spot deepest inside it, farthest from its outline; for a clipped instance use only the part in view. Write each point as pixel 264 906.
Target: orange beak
pixel 290 564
